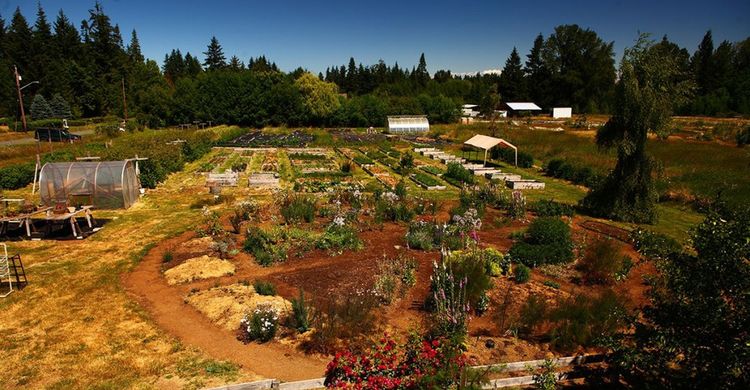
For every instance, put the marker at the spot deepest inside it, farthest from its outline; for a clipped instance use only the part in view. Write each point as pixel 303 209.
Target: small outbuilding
pixel 522 108
pixel 102 184
pixel 486 143
pixel 402 124
pixel 562 112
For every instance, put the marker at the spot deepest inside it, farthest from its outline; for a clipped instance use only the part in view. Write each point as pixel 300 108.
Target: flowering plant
pixel 259 325
pixel 418 363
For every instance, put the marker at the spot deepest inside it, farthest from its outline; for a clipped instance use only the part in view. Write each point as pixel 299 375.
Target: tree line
pixel 82 70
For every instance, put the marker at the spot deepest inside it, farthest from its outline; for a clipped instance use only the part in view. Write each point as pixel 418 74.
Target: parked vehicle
pixel 55 135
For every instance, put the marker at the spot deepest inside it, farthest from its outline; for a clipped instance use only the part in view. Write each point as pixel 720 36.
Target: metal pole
pixel 20 96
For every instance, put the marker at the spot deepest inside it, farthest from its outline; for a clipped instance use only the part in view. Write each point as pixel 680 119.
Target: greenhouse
pixel 408 124
pixel 102 184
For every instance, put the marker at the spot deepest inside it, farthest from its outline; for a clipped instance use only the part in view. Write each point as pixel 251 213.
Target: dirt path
pixel 165 303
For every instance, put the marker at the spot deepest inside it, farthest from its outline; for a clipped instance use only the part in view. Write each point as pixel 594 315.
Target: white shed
pixel 562 112
pixel 408 124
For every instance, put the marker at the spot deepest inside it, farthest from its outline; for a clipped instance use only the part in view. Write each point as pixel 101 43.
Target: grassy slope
pixel 74 326
pixel 700 168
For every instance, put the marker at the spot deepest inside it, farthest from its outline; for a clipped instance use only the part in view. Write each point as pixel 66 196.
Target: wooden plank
pixel 317 383
pixel 257 385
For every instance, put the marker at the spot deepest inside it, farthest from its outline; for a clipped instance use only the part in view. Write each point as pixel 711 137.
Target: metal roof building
pixel 524 106
pixel 408 124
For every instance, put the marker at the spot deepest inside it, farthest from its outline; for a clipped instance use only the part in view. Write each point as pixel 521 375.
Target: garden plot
pixel 264 167
pixel 226 305
pixel 197 268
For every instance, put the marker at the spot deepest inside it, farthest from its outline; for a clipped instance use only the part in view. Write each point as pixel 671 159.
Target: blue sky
pixel 461 37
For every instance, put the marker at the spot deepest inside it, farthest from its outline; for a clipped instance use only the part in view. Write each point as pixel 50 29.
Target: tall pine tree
pixel 512 82
pixel 215 59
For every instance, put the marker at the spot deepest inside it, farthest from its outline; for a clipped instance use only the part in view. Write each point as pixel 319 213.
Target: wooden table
pixel 21 220
pixel 71 217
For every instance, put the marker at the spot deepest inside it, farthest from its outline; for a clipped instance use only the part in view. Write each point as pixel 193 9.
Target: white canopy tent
pixel 486 143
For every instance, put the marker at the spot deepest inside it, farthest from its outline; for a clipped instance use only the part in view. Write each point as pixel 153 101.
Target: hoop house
pixel 103 184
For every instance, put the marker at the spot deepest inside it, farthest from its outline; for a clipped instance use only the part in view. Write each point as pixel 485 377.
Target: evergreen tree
pixel 134 48
pixel 582 69
pixel 421 75
pixel 235 64
pixel 703 64
pixel 40 109
pixel 192 65
pixel 512 81
pixel 59 108
pixel 644 98
pixel 537 75
pixel 18 41
pixel 67 41
pixel 215 59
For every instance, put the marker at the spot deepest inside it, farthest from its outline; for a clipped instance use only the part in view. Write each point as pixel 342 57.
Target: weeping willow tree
pixel 650 83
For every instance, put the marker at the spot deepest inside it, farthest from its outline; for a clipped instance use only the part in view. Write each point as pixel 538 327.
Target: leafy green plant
pixel 457 172
pixel 300 318
pixel 654 245
pixel 533 313
pixel 264 288
pixel 296 208
pixel 550 208
pixel 583 321
pixel 261 325
pixel 547 241
pixel 521 273
pixel 602 261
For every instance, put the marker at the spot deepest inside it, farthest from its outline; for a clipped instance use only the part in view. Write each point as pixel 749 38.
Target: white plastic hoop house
pixel 103 184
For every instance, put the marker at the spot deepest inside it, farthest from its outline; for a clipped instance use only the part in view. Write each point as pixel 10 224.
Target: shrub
pixel 348 316
pixel 395 276
pixel 167 256
pixel 743 137
pixel 261 325
pixel 522 273
pixel 300 318
pixel 602 261
pixel 417 364
pixel 546 376
pixel 338 237
pixel 407 161
pixel 584 321
pixel 421 235
pixel 393 208
pixel 243 211
pixel 525 160
pixel 449 303
pixel 547 241
pixel 16 176
pixel 457 172
pixel 210 225
pixel 517 205
pixel 298 208
pixel 552 284
pixel 654 245
pixel 263 247
pixel 550 208
pixel 562 169
pixel 533 313
pixel 264 288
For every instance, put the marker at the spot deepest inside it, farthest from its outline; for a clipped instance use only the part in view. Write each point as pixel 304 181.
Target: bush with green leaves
pixel 394 278
pixel 521 273
pixel 585 321
pixel 264 247
pixel 459 174
pixel 243 211
pixel 338 237
pixel 260 325
pixel 262 287
pixel 533 313
pixel 582 175
pixel 471 265
pixel 550 208
pixel 297 208
pixel 393 208
pixel 547 241
pixel 300 318
pixel 654 245
pixel 602 261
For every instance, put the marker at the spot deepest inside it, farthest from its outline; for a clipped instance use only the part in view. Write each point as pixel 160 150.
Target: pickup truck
pixel 55 135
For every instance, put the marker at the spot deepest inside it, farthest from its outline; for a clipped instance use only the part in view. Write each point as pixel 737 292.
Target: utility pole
pixel 20 96
pixel 124 101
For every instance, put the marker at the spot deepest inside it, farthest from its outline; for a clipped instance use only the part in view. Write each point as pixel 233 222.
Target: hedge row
pixel 562 169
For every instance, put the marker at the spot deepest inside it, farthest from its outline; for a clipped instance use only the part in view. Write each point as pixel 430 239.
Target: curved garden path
pixel 165 303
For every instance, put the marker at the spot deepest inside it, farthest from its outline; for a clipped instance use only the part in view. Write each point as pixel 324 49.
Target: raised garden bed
pixel 426 181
